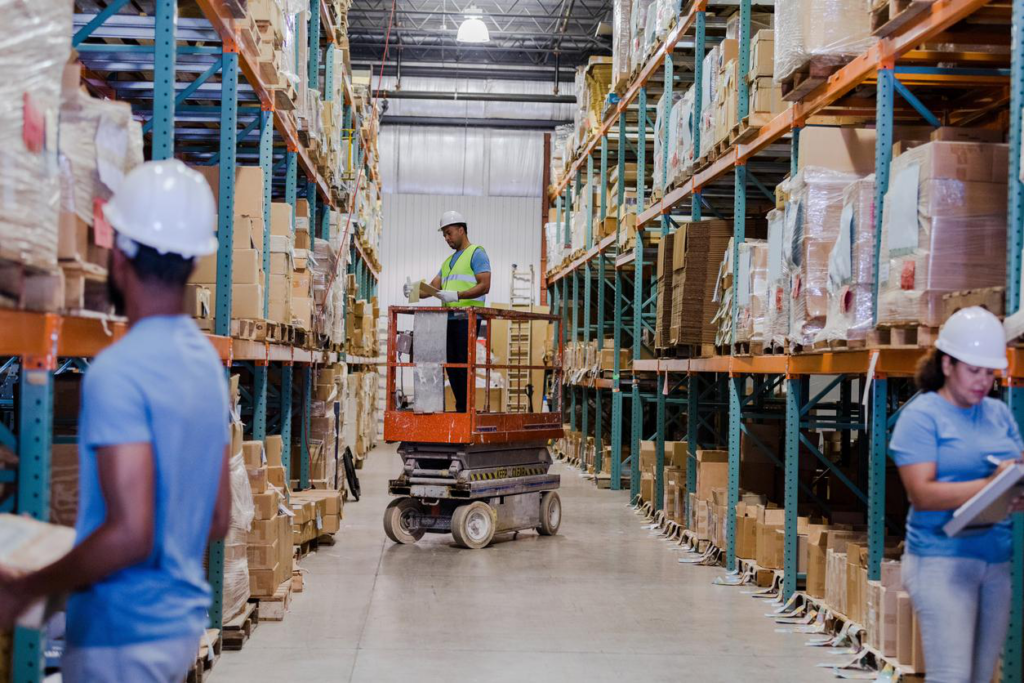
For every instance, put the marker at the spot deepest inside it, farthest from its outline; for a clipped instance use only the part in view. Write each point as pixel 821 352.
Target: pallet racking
pixel 184 63
pixel 725 393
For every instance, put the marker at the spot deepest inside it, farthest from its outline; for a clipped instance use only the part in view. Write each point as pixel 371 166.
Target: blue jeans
pixel 963 611
pixel 159 661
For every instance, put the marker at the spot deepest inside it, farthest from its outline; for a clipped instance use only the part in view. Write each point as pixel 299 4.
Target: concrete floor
pixel 602 601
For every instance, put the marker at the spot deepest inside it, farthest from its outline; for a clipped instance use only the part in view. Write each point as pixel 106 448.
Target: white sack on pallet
pixel 777 313
pixel 828 30
pixel 621 45
pixel 35 42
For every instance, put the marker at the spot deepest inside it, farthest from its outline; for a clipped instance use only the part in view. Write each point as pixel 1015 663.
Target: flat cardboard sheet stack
pixel 696 260
pixel 665 285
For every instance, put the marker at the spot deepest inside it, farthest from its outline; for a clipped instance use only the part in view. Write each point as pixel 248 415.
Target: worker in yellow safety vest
pixel 463 281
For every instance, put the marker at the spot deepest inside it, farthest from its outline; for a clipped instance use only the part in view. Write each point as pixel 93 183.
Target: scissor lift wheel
pixel 473 525
pixel 397 519
pixel 550 514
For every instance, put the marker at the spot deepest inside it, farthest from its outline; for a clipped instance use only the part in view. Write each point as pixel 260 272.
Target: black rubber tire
pixel 395 525
pixel 474 525
pixel 550 513
pixel 350 475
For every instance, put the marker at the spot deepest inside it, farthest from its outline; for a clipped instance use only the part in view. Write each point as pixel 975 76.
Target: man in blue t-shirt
pixel 153 453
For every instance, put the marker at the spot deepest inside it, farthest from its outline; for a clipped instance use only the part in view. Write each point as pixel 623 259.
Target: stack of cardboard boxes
pixel 695 260
pixel 269 540
pixel 247 275
pixel 665 272
pixel 318 513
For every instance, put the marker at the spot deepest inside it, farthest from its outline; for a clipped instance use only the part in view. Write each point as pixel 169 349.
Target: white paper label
pixel 840 271
pixel 902 226
pixel 111 148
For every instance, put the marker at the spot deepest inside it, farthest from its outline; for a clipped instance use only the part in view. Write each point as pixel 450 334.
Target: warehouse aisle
pixel 601 602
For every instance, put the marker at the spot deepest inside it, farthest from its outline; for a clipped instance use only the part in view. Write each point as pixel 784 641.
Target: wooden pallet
pixel 253 330
pixel 237 631
pixel 274 608
pixel 85 288
pixel 747 129
pixel 890 17
pixel 804 80
pixel 839 345
pixel 992 299
pixel 28 287
pixel 908 337
pixel 209 653
pixel 773 349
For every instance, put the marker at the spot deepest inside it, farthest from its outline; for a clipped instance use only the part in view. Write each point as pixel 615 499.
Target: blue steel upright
pixel 165 50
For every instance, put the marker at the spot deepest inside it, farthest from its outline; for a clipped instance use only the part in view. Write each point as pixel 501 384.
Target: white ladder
pixel 521 296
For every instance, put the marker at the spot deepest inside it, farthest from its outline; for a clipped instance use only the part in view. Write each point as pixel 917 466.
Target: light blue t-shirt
pixel 164 384
pixel 958 440
pixel 480 263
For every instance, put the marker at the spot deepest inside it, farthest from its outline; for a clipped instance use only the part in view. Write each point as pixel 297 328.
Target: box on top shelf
pixel 943 228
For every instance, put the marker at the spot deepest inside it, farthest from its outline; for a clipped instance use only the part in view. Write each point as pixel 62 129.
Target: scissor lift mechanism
pixel 472 474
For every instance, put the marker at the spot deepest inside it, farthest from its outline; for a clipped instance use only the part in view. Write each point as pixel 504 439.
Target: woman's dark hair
pixel 929 375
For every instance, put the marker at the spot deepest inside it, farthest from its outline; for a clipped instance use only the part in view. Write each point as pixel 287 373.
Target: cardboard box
pixel 647 487
pixel 280 288
pixel 888 638
pixel 768 550
pixel 302 283
pixel 746 531
pixel 263 582
pixel 302 312
pixel 712 472
pixel 247 301
pixel 266 504
pixel 257 479
pixel 762 54
pixel 198 301
pixel 280 263
pixel 263 556
pixel 280 312
pixel 904 628
pixel 246 267
pixel 849 150
pixel 276 476
pixel 817 547
pixel 280 218
pixel 252 451
pixel 72 237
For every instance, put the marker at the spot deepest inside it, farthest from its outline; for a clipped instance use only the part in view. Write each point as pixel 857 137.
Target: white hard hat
pixel 451 218
pixel 167 206
pixel 976 337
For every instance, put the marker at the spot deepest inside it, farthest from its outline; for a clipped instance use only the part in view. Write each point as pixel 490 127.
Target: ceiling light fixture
pixel 473 29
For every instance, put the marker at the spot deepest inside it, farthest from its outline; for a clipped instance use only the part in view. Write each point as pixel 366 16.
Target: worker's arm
pixel 125 537
pixel 222 510
pixel 926 493
pixel 435 283
pixel 482 286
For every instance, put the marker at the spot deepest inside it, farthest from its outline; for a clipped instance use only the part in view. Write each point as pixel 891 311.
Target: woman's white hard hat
pixel 974 336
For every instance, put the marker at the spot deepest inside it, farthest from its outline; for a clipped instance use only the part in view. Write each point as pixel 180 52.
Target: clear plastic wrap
pixel 943 228
pixel 35 43
pixel 236 561
pixel 102 142
pixel 668 10
pixel 621 44
pixel 664 118
pixel 777 315
pixel 812 226
pixel 851 267
pixel 708 87
pixel 825 31
pixel 638 30
pixel 752 291
pixel 681 138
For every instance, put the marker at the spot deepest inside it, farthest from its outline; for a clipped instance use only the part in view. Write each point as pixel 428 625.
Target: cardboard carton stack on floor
pixel 320 512
pixel 269 540
pixel 695 261
pixel 675 471
pixel 359 424
pixel 712 473
pixel 943 228
pixel 247 275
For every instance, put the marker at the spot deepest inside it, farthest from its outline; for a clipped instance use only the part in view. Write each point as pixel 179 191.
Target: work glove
pixel 447 296
pixel 407 288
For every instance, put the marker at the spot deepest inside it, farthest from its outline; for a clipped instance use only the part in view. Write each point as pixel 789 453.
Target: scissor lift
pixel 473 474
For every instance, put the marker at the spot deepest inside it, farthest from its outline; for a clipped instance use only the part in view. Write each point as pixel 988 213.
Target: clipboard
pixel 989 505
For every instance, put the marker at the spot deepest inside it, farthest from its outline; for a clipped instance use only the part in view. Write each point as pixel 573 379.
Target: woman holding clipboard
pixel 946 444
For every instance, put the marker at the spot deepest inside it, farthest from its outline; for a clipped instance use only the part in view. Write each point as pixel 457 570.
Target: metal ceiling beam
pixel 478 97
pixel 447 122
pixel 138 27
pixel 457 70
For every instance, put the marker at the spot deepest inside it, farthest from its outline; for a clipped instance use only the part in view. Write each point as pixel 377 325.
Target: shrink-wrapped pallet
pixel 811 228
pixel 621 43
pixel 554 246
pixel 751 291
pixel 826 31
pixel 35 41
pixel 943 228
pixel 663 153
pixel 851 267
pixel 777 314
pixel 638 30
pixel 102 143
pixel 680 141
pixel 236 562
pixel 668 11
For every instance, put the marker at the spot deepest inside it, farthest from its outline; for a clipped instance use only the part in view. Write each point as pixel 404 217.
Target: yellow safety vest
pixel 461 278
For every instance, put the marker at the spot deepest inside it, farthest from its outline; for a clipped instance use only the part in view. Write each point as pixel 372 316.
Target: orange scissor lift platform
pixel 476 473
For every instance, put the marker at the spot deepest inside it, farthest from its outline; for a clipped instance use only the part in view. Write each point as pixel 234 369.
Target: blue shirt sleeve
pixel 914 439
pixel 113 409
pixel 481 263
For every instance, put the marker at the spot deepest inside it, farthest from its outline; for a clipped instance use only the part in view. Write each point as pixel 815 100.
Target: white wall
pixel 507 227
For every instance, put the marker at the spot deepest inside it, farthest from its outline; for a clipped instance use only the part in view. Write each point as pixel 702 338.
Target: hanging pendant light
pixel 473 29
